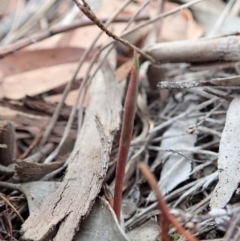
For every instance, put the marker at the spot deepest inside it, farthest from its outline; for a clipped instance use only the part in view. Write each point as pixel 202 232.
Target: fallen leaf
pixel 23 61
pixel 70 100
pixel 229 158
pixel 101 224
pixel 123 71
pixel 36 192
pixel 38 81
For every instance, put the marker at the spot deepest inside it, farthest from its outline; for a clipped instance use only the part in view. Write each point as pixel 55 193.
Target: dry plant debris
pixel 65 68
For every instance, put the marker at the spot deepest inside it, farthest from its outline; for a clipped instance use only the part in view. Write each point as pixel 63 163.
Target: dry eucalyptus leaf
pixel 36 81
pixel 36 192
pixel 24 61
pixel 101 225
pixel 229 158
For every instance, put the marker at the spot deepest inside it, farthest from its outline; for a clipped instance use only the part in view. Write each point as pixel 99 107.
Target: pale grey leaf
pixel 229 158
pixel 101 225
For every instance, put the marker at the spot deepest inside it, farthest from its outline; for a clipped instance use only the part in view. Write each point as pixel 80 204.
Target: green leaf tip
pixel 136 61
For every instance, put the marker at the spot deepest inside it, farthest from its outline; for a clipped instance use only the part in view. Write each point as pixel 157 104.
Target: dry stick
pixel 227 97
pixel 126 136
pixel 85 8
pixel 163 207
pixel 13 208
pixel 33 144
pixel 8 49
pixel 187 112
pixel 232 81
pixel 8 220
pixel 80 90
pixel 195 126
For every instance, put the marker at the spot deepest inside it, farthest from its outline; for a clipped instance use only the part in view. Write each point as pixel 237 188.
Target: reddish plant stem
pixel 34 143
pixel 164 224
pixel 162 205
pixel 126 136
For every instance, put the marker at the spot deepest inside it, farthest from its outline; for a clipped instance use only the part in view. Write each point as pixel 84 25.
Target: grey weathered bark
pixel 226 49
pixel 60 215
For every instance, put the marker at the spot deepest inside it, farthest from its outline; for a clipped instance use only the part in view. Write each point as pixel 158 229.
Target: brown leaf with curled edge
pixel 31 171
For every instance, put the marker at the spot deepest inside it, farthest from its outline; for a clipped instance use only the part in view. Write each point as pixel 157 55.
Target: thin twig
pixel 227 97
pixel 135 16
pixel 193 128
pixel 222 18
pixel 9 220
pixel 33 144
pixel 85 8
pixel 37 37
pixel 13 208
pixel 163 207
pixel 187 112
